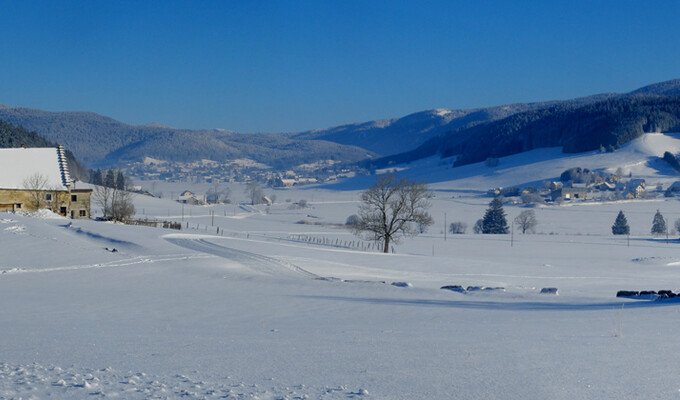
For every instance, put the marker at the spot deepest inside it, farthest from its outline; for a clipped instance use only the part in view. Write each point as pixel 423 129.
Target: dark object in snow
pixel 485 288
pixel 401 284
pixel 627 293
pixel 113 250
pixel 454 288
pixel 549 290
pixel 647 294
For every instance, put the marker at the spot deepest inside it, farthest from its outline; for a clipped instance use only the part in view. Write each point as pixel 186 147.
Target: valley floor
pixel 258 311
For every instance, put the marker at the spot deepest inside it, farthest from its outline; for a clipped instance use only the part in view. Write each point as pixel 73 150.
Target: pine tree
pixel 120 180
pixel 620 226
pixel 97 178
pixel 658 224
pixel 494 219
pixel 110 179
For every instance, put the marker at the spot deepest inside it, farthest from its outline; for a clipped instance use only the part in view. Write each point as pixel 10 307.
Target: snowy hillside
pixel 640 157
pixel 248 302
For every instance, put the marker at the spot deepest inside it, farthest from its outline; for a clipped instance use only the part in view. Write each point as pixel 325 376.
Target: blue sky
pixel 277 66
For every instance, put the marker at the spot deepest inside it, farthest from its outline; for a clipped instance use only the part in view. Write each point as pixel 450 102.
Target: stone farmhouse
pixel 38 178
pixel 572 193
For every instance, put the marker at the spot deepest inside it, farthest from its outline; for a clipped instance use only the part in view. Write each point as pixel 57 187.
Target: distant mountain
pixel 402 134
pixel 666 88
pixel 103 141
pixel 576 128
pixel 100 141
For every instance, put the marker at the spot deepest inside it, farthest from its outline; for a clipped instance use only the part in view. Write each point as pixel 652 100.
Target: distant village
pixel 578 184
pixel 575 184
pixel 242 170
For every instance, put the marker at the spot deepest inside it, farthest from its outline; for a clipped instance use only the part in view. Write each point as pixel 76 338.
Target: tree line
pixel 394 207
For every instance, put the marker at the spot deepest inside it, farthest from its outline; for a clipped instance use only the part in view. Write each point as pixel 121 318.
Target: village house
pixel 188 197
pixel 571 193
pixel 38 178
pixel 635 188
pixel 555 185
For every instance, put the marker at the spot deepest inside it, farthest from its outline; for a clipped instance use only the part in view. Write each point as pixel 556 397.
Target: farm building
pixel 187 197
pixel 635 188
pixel 572 193
pixel 38 178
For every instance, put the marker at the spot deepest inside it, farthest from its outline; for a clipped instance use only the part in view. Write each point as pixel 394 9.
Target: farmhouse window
pixel 48 197
pixel 74 197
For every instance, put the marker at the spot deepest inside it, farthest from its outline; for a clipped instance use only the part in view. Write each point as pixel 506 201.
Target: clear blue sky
pixel 277 66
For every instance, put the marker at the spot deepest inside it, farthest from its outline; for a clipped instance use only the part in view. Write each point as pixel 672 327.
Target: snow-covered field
pixel 268 308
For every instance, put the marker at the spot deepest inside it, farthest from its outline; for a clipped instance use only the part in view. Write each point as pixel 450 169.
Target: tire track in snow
pixel 256 262
pixel 147 259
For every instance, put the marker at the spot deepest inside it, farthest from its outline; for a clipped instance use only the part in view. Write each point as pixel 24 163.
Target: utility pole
pixel 445 227
pixel 512 234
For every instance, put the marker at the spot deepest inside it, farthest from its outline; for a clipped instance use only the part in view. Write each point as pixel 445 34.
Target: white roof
pixel 18 164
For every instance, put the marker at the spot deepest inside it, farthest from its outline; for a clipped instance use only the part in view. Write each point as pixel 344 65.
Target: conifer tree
pixel 494 221
pixel 121 183
pixel 620 226
pixel 658 224
pixel 110 179
pixel 97 177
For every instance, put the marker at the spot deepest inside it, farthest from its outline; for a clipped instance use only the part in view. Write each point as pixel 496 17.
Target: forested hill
pixel 474 134
pixel 667 88
pixel 397 135
pixel 103 141
pixel 15 136
pixel 609 123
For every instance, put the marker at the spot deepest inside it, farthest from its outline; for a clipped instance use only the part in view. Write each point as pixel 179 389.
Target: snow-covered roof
pixel 19 164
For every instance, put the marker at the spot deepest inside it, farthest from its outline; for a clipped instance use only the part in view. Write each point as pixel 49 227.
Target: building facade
pixel 37 178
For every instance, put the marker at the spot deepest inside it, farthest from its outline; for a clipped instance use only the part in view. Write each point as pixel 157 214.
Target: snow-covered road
pixel 256 262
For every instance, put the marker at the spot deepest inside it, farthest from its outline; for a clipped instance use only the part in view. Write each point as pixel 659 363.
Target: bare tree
pixel 392 208
pixel 478 228
pixel 526 221
pixel 254 193
pixel 457 228
pixel 114 198
pixel 36 185
pixel 122 207
pixel 103 198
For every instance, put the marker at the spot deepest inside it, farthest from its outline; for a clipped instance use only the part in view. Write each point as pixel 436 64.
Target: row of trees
pixel 495 222
pixel 393 208
pixel 659 226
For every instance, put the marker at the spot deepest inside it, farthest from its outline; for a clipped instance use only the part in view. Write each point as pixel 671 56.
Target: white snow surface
pixel 273 309
pixel 18 164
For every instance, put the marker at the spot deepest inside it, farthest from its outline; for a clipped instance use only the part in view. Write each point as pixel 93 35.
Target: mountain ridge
pixel 98 140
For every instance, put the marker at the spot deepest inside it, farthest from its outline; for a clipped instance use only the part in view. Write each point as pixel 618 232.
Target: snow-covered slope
pixel 641 158
pixel 246 302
